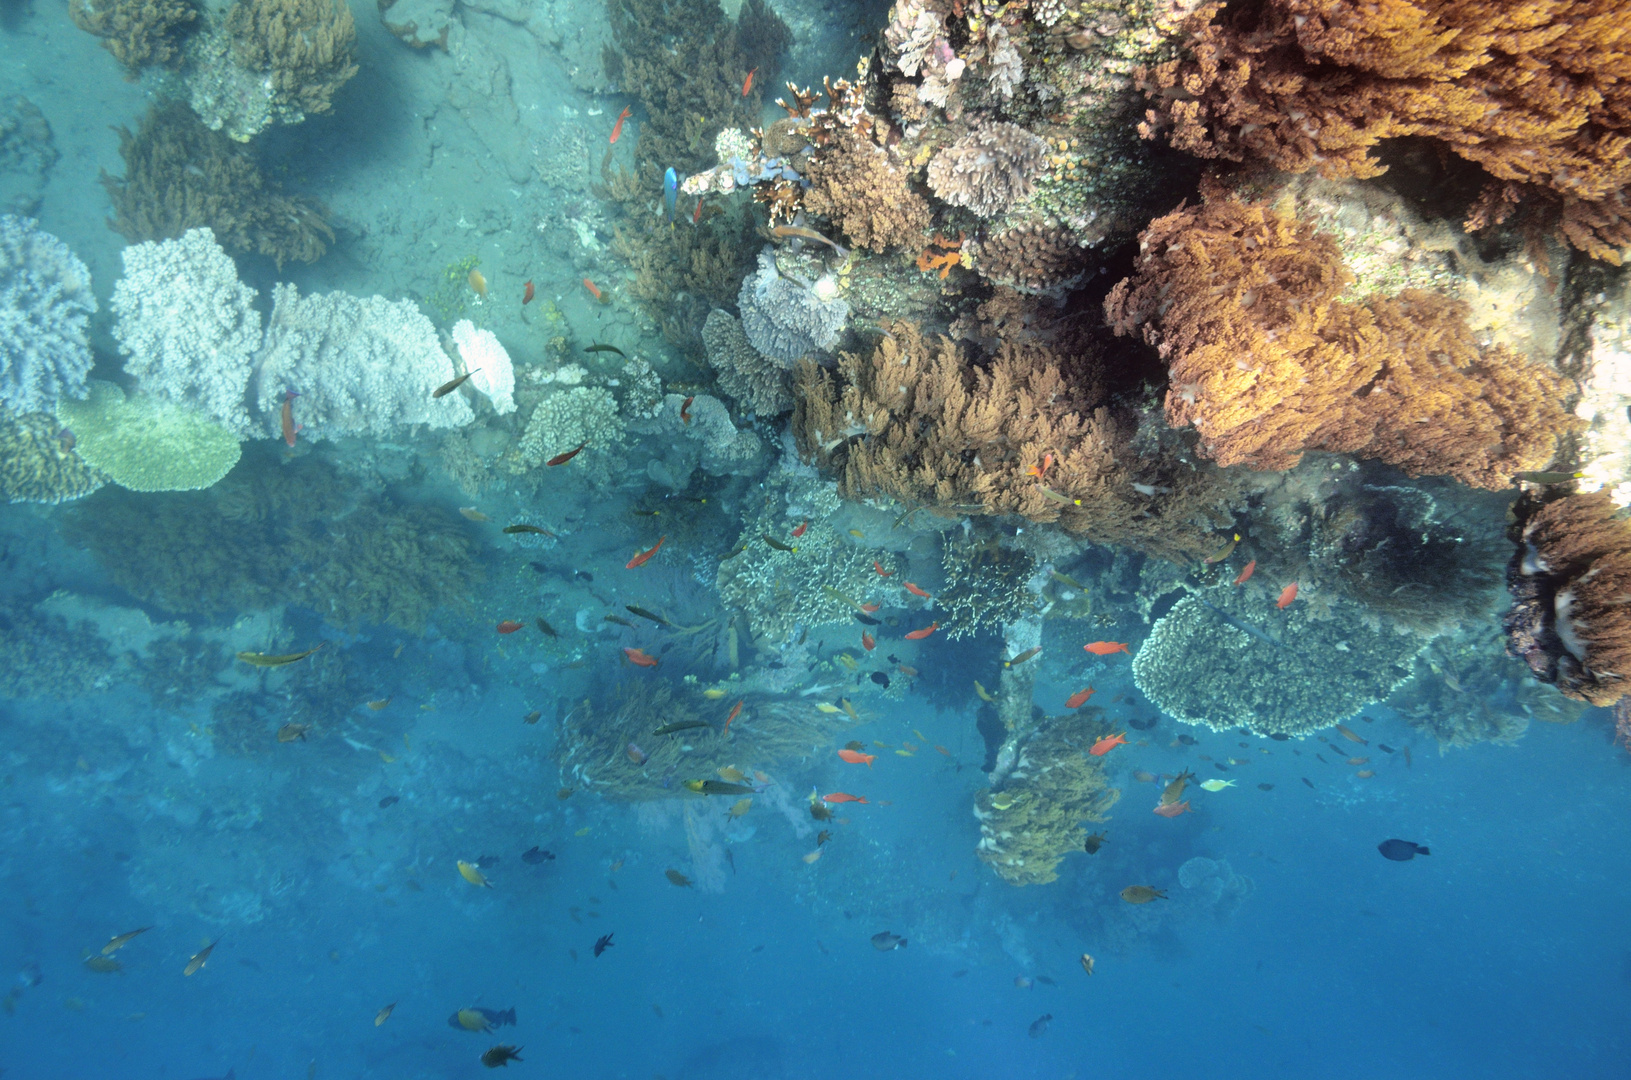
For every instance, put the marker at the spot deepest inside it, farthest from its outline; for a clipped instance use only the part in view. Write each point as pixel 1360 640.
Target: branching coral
pixel 137 32
pixel 1266 362
pixel 1538 93
pixel 916 420
pixel 854 184
pixel 303 50
pixel 990 169
pixel 987 586
pixel 1466 692
pixel 45 303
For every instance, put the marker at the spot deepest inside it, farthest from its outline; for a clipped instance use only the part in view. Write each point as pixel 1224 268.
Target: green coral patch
pixel 148 444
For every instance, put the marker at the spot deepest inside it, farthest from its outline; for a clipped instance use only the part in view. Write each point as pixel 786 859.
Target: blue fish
pixel 671 192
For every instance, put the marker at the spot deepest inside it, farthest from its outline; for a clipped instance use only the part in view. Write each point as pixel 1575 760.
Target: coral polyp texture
pixel 1266 363
pixel 45 302
pixel 138 32
pixel 1569 620
pixel 37 461
pixel 989 169
pixel 758 385
pixel 147 443
pixel 854 184
pixel 1537 93
pixel 786 316
pixel 488 364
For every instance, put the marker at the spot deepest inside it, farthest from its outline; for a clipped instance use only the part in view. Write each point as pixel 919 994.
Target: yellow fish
pixel 471 1020
pixel 920 734
pixel 387 758
pixel 380 704
pixel 384 1014
pixel 713 693
pixel 115 944
pixel 582 832
pixel 853 715
pixel 847 660
pixel 259 659
pixel 813 856
pixel 1216 785
pixel 741 807
pixel 825 707
pixel 733 774
pixel 905 753
pixel 472 873
pixel 984 694
pixel 858 534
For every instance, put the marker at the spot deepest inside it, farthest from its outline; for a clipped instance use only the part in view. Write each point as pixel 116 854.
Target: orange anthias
pixel 855 757
pixel 734 714
pixel 562 459
pixel 868 642
pixel 798 532
pixel 747 83
pixel 587 284
pixel 643 557
pixel 617 128
pixel 1107 744
pixel 1245 575
pixel 509 626
pixel 640 658
pixel 915 591
pixel 1173 809
pixel 839 796
pixel 1040 471
pixel 1079 698
pixel 1287 595
pixel 1105 648
pixel 919 635
pixel 881 571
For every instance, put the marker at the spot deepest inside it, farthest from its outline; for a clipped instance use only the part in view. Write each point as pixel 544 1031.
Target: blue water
pixel 1504 954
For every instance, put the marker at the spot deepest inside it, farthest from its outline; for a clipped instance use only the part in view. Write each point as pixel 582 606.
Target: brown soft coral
pixel 1266 363
pixel 1538 93
pixel 916 420
pixel 988 170
pixel 853 183
pixel 137 32
pixel 1041 258
pixel 305 48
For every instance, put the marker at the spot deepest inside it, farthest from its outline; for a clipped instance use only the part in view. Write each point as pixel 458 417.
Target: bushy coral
pixel 359 366
pixel 45 302
pixel 37 462
pixel 1227 659
pixel 758 385
pixel 785 317
pixel 188 326
pixel 1266 362
pixel 853 183
pixel 146 443
pixel 41 655
pixel 1466 692
pixel 272 61
pixel 989 169
pixel 137 32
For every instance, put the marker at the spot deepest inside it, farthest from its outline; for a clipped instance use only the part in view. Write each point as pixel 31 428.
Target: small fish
pixel 827 707
pixel 389 801
pixel 562 459
pixel 858 534
pixel 732 774
pixel 1092 845
pixel 376 706
pixel 797 232
pixel 1307 781
pixel 1145 777
pixel 1225 551
pixel 741 807
pixel 849 709
pixel 523 527
pixel 635 754
pixel 644 614
pixel 1172 810
pixel 1216 785
pixel 478 283
pixel 617 128
pixel 842 797
pixel 290 428
pixel 1386 749
pixel 1245 575
pixel 868 642
pixel 472 873
pixel 103 965
pixel 867 620
pixel 501 1055
pixel 713 693
pixel 384 1014
pixel 1359 761
pixel 777 544
pixel 200 958
pixel 915 591
pixel 535 855
pixel 1287 595
pixel 640 658
pixel 855 757
pixel 509 626
pixel 642 557
pixel 671 193
pixel 1265 787
pixel 257 659
pixel 984 694
pixel 1039 1026
pixel 533 717
pixel 1141 894
pixel 1365 774
pixel 472 514
pixel 1066 579
pixel 677 878
pixel 1087 963
pixel 734 714
pixel 685 406
pixel 813 856
pixel 603 943
pixel 881 571
pixel 527 294
pixel 798 532
pixel 869 609
pixel 599 347
pixel 1351 735
pixel 1049 493
pixel 884 941
pixel 1105 648
pixel 1401 850
pixel 1546 478
pixel 116 943
pixel 718 787
pixel 1109 743
pixel 880 678
pixel 1175 790
pixel 619 620
pixel 919 635
pixel 564 793
pixel 291 731
pixel 453 384
pixel 682 725
pixel 747 83
pixel 1187 740
pixel 1079 698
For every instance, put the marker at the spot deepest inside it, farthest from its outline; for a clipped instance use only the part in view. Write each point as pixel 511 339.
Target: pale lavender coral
pixel 188 326
pixel 45 302
pixel 988 169
pixel 758 385
pixel 359 366
pixel 785 318
pixel 726 449
pixel 912 31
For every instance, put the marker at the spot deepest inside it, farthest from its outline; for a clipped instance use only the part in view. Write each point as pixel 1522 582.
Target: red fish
pixel 881 571
pixel 527 295
pixel 696 215
pixel 869 608
pixel 1173 809
pixel 1287 595
pixel 734 714
pixel 290 428
pixel 919 635
pixel 562 459
pixel 640 657
pixel 1246 574
pixel 1107 744
pixel 509 626
pixel 1041 470
pixel 617 129
pixel 798 532
pixel 868 642
pixel 641 558
pixel 1105 648
pixel 915 591
pixel 685 409
pixel 1079 698
pixel 587 284
pixel 636 755
pixel 839 796
pixel 747 83
pixel 855 757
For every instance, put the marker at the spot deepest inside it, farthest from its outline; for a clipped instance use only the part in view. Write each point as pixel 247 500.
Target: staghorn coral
pixel 757 385
pixel 854 184
pixel 1266 362
pixel 45 302
pixel 147 443
pixel 989 169
pixel 1227 659
pixel 38 464
pixel 1037 258
pixel 179 175
pixel 916 420
pixel 137 32
pixel 785 317
pixel 1537 93
pixel 1569 579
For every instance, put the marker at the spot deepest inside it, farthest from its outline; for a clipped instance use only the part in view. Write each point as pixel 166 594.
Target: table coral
pixel 45 303
pixel 137 32
pixel 38 464
pixel 147 443
pixel 865 195
pixel 1266 362
pixel 758 385
pixel 988 169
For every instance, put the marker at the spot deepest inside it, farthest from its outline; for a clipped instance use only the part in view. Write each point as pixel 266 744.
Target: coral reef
pixel 277 532
pixel 1569 579
pixel 1215 885
pixel 1226 660
pixel 989 169
pixel 1605 397
pixel 188 327
pixel 271 61
pixel 581 415
pixel 42 655
pixel 915 420
pixel 27 152
pixel 37 463
pixel 784 318
pixel 1536 93
pixel 1266 362
pixel 1036 258
pixel 146 443
pixel 987 586
pixel 358 366
pixel 757 385
pixel 45 302
pixel 854 184
pixel 179 175
pixel 724 449
pixel 138 32
pixel 1465 691
pixel 490 368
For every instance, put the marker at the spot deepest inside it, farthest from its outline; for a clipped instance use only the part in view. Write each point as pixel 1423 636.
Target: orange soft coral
pixel 948 255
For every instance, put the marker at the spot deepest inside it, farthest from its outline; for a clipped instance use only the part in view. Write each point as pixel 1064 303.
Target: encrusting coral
pixel 988 169
pixel 137 32
pixel 854 184
pixel 1538 93
pixel 1266 362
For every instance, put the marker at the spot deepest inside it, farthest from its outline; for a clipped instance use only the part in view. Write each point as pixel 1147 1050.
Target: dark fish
pixel 619 620
pixel 523 527
pixel 535 855
pixel 494 1017
pixel 644 614
pixel 884 941
pixel 867 620
pixel 1265 787
pixel 259 659
pixel 1385 748
pixel 545 627
pixel 1092 844
pixel 683 725
pixel 777 544
pixel 607 348
pixel 718 787
pixel 562 459
pixel 389 800
pixel 1401 850
pixel 584 574
pixel 881 679
pixel 1039 1026
pixel 603 943
pixel 539 567
pixel 959 973
pixel 1322 760
pixel 1220 766
pixel 451 385
pixel 1046 981
pixel 501 1055
pixel 1307 781
pixel 1187 740
pixel 533 717
pixel 1143 723
pixel 1545 478
pixel 1279 736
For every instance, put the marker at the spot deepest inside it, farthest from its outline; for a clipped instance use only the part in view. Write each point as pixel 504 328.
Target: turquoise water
pixel 308 822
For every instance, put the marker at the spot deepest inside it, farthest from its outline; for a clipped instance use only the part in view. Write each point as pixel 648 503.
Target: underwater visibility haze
pixel 809 539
